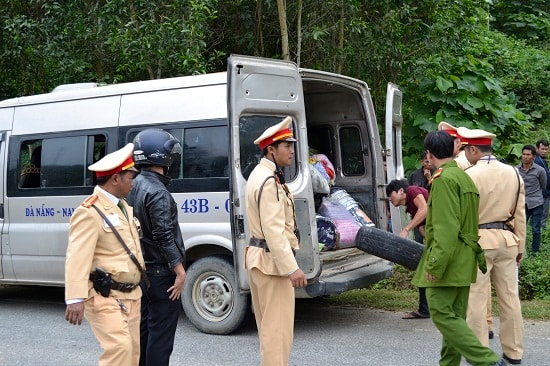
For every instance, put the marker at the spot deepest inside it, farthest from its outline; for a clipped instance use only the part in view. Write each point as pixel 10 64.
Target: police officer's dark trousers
pixel 159 318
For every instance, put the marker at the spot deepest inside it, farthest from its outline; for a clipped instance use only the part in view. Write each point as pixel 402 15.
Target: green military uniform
pixel 450 255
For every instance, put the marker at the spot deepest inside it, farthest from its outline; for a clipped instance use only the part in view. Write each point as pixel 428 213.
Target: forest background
pixel 479 64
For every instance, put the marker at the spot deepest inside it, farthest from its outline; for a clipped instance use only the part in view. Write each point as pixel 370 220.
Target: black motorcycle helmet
pixel 155 147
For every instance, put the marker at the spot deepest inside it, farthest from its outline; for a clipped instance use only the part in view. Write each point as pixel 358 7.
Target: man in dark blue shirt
pixel 540 159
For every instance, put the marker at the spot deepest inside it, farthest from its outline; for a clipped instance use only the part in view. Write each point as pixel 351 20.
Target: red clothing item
pixel 412 192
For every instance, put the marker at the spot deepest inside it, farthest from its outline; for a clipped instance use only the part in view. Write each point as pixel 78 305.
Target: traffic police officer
pixel 502 237
pixel 273 272
pixel 459 156
pixel 113 314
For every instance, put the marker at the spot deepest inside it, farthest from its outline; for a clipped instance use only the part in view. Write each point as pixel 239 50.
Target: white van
pixel 47 141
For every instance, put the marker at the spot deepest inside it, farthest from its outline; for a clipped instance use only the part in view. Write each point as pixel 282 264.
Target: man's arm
pixel 175 289
pixel 420 216
pixel 542 179
pixel 160 215
pixel 75 313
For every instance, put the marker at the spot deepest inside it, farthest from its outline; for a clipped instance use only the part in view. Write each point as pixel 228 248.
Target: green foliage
pixel 45 43
pixel 401 280
pixel 525 20
pixel 477 64
pixel 534 272
pixel 461 91
pixel 521 68
pixel 535 277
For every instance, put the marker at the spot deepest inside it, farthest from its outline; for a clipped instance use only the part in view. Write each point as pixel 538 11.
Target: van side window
pixel 204 161
pixel 250 128
pixel 204 152
pixel 30 156
pixel 352 151
pixel 59 161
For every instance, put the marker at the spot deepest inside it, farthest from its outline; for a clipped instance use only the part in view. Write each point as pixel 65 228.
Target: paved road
pixel 33 332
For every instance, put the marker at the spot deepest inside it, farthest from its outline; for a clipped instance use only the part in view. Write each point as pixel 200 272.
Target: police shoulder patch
pixel 89 201
pixel 436 175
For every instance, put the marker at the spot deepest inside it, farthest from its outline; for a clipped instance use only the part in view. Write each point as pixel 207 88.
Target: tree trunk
pixel 340 54
pixel 284 29
pixel 259 32
pixel 299 33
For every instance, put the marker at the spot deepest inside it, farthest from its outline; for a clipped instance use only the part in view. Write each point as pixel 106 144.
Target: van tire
pixel 389 246
pixel 211 298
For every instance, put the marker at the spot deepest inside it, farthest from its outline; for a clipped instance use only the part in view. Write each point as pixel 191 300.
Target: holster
pixel 102 281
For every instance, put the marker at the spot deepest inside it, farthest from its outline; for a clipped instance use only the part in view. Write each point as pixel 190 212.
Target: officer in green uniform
pixel 449 263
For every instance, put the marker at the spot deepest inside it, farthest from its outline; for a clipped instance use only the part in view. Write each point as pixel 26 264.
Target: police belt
pixel 258 243
pixel 119 286
pixel 500 225
pixel 261 243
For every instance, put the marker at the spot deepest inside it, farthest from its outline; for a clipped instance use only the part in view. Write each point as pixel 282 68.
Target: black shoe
pixel 511 361
pixel 491 334
pixel 500 362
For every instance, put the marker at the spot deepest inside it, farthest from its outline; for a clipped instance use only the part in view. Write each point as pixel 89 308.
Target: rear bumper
pixel 337 283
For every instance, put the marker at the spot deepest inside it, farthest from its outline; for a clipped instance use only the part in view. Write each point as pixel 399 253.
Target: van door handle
pixel 239 226
pixel 1 211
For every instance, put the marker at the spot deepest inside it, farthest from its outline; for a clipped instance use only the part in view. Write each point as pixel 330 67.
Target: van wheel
pixel 389 246
pixel 211 299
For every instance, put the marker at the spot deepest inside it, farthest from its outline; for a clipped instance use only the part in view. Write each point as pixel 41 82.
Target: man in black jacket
pixel 162 243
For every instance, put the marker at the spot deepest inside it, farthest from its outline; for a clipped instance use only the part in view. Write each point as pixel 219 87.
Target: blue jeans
pixel 546 207
pixel 535 214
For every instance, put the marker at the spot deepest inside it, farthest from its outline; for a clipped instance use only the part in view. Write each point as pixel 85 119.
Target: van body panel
pixel 67 115
pixel 216 117
pixel 4 239
pixel 193 103
pixel 101 91
pixel 6 118
pixel 38 229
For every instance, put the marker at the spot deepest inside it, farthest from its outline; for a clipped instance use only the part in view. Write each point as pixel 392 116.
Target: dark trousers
pixel 159 318
pixel 422 302
pixel 535 214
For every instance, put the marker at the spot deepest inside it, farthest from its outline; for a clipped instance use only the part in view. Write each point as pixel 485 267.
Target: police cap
pixel 475 136
pixel 115 162
pixel 279 132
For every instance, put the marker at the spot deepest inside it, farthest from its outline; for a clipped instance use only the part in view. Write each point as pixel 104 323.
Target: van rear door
pixel 394 155
pixel 3 238
pixel 260 93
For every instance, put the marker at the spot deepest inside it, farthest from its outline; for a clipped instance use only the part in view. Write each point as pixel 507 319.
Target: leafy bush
pixel 401 280
pixel 534 272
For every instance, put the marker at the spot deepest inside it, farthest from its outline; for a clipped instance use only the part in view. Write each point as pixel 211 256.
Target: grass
pixel 397 294
pixel 407 300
